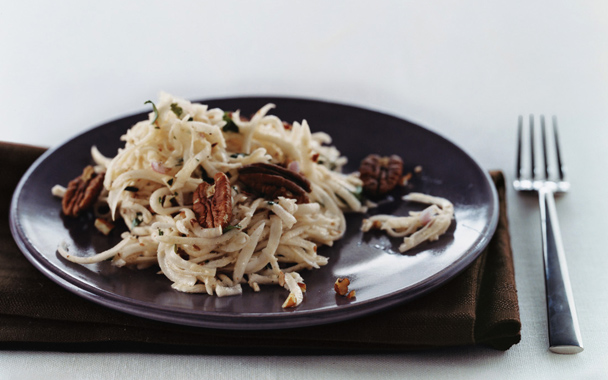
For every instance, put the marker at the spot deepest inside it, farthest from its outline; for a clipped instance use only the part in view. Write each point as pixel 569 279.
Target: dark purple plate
pixel 381 276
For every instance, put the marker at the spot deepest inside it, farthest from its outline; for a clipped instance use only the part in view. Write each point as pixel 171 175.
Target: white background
pixel 464 69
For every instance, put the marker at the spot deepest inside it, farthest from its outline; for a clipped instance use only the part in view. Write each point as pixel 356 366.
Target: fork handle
pixel 564 333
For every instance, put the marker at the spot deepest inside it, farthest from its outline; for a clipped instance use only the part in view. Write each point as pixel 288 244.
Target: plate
pixel 381 276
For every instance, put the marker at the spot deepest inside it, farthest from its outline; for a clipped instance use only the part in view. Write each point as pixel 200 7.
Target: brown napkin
pixel 477 307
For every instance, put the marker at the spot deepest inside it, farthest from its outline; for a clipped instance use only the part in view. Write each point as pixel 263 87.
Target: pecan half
pixel 82 192
pixel 273 181
pixel 380 175
pixel 212 204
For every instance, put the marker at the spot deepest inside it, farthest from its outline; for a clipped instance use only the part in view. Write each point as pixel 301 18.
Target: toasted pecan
pixel 212 204
pixel 379 174
pixel 273 181
pixel 82 192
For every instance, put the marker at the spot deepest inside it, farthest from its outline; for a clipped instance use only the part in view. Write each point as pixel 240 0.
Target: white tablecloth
pixel 463 69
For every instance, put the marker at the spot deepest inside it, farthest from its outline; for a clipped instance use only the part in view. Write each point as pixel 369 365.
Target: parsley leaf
pixel 358 193
pixel 228 228
pixel 177 110
pixel 137 220
pixel 155 111
pixel 230 126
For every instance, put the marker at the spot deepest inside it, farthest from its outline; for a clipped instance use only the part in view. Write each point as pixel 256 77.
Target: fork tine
pixel 532 164
pixel 544 145
pixel 560 167
pixel 520 123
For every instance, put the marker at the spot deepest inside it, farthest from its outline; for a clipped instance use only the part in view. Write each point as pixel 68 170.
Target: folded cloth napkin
pixel 479 306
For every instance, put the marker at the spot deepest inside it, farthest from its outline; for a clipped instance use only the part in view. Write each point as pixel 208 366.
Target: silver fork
pixel 547 177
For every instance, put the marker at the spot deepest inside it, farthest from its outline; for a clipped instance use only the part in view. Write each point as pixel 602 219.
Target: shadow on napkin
pixel 479 306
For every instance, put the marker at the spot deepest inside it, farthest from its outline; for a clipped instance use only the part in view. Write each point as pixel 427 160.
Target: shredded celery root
pixel 149 184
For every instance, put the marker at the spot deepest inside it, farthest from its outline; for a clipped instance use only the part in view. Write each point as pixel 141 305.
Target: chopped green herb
pixel 230 125
pixel 228 228
pixel 358 193
pixel 160 232
pixel 177 110
pixel 137 220
pixel 160 200
pixel 132 189
pixel 237 155
pixel 155 112
pixel 175 248
pixel 271 203
pixel 341 199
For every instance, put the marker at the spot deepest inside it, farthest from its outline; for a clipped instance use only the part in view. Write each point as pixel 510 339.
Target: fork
pixel 547 177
